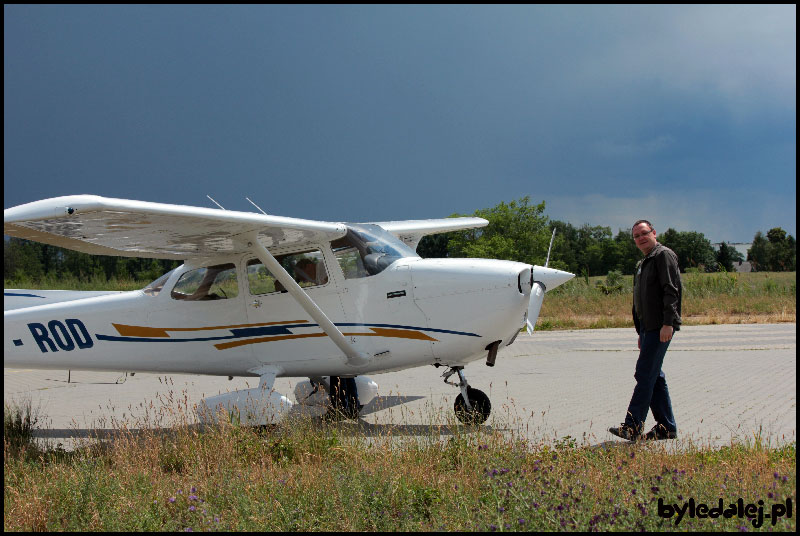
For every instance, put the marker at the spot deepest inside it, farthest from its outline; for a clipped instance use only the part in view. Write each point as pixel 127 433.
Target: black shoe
pixel 660 432
pixel 626 432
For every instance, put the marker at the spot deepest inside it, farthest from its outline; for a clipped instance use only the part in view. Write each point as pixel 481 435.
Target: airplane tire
pixel 481 407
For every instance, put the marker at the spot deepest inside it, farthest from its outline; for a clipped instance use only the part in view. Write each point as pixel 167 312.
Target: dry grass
pixel 707 299
pixel 307 476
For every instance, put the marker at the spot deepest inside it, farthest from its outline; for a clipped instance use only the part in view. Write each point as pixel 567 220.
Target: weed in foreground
pixel 306 475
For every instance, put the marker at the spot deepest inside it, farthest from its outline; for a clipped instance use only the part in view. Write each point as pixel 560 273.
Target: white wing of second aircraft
pixel 107 226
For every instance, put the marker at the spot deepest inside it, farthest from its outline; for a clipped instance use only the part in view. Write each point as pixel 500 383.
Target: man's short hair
pixel 642 221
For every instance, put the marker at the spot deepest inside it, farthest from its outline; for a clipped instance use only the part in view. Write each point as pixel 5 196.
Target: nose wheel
pixel 472 406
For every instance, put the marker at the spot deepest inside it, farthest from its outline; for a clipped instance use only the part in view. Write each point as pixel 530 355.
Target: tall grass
pixel 308 476
pixel 722 298
pixel 95 282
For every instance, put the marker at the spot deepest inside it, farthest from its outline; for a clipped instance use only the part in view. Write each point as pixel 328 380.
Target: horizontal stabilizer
pixel 20 298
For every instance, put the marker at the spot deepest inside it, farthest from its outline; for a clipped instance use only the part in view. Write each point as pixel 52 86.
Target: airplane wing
pixel 126 228
pixel 412 231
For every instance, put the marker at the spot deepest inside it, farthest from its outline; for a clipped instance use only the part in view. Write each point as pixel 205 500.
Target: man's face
pixel 645 237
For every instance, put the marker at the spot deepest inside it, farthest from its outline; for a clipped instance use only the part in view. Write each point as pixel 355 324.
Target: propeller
pixel 541 278
pixel 535 305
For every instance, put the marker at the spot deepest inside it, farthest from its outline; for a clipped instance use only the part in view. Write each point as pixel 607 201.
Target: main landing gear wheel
pixel 472 406
pixel 481 407
pixel 344 399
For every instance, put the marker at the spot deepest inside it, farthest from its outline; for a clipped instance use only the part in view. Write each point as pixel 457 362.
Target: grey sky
pixel 685 115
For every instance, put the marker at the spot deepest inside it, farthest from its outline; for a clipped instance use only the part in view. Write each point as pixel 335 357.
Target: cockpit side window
pixel 208 283
pixel 368 250
pixel 307 269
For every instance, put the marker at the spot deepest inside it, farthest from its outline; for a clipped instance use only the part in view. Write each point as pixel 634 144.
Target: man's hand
pixel 666 333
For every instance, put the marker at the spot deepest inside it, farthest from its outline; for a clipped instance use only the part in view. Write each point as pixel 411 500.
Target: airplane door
pixel 381 308
pixel 279 330
pixel 194 320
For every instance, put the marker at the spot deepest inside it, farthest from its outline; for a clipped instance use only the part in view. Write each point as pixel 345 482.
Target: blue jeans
pixel 651 385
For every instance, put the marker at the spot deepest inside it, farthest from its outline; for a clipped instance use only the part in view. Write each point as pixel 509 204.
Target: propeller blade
pixel 534 306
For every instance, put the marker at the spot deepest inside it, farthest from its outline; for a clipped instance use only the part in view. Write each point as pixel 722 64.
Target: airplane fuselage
pixel 414 312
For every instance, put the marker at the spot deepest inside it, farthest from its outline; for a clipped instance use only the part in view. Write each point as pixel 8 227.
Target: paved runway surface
pixel 731 382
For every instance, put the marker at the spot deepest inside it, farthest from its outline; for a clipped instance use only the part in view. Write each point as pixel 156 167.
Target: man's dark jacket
pixel 658 283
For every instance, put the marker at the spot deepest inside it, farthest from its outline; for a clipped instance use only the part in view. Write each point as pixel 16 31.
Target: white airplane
pixel 269 296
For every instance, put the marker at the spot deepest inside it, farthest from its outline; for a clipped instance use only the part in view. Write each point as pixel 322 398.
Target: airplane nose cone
pixel 550 277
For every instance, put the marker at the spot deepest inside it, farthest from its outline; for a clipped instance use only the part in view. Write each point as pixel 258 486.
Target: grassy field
pixel 306 476
pixel 724 298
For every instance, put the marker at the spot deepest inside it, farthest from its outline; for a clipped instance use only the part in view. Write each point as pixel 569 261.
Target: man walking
pixel 656 315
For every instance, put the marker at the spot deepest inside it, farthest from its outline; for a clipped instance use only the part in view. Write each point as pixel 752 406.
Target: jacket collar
pixel 658 247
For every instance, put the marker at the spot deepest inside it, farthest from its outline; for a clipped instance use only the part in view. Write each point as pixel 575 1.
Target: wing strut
pixel 354 357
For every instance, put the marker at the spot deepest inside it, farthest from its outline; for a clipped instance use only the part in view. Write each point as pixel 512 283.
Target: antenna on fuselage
pixel 259 208
pixel 212 199
pixel 550 248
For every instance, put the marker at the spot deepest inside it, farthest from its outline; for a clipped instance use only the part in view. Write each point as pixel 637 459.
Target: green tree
pixel 517 231
pixel 21 260
pixel 433 246
pixel 692 248
pixel 757 254
pixel 776 235
pixel 30 261
pixel 725 257
pixel 565 251
pixel 776 253
pixel 627 254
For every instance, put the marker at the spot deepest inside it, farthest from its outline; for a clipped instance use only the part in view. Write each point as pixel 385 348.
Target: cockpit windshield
pixel 368 250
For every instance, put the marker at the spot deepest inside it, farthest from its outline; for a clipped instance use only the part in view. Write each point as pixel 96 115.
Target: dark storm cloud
pixel 378 113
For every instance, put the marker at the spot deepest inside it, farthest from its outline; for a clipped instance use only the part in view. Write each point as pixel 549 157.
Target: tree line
pixel 24 260
pixel 518 231
pixel 521 231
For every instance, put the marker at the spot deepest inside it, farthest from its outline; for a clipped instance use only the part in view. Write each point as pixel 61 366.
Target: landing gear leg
pixel 472 406
pixel 344 399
